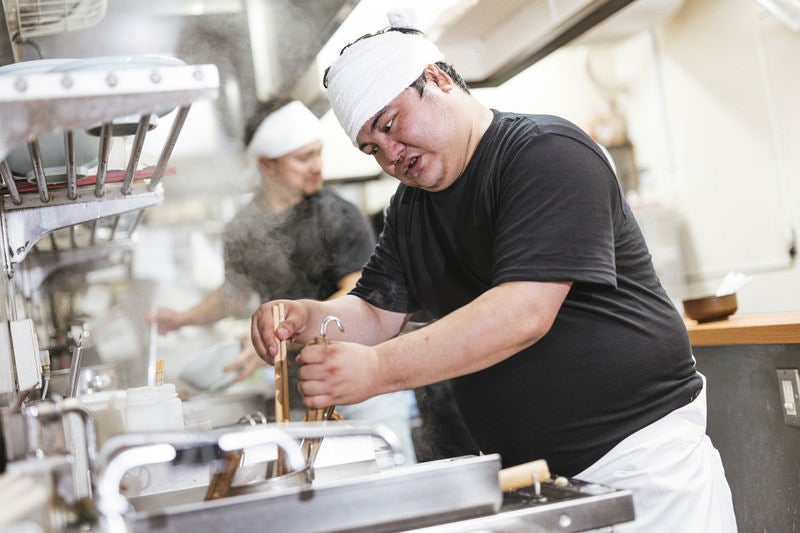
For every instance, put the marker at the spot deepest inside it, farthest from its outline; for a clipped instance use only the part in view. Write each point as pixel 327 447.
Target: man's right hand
pixel 167 319
pixel 266 337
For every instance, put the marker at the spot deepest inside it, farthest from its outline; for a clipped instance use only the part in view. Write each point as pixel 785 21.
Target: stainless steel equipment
pixel 460 494
pixel 98 215
pixel 33 105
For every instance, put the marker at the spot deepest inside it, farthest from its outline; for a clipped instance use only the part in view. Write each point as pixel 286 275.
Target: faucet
pixel 122 453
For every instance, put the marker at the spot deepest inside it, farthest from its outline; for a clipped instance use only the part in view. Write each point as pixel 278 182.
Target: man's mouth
pixel 411 164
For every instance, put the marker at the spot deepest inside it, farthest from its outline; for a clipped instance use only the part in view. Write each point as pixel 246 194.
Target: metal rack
pixel 104 209
pixel 34 105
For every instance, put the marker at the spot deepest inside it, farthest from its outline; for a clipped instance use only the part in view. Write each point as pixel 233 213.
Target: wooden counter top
pixel 779 328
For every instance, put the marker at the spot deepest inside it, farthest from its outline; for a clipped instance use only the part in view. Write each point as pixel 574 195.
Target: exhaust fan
pixel 34 18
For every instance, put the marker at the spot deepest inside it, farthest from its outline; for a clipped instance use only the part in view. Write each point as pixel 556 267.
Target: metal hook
pixel 323 329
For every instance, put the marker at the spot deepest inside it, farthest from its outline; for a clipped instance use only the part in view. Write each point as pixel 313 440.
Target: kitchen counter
pixel 771 328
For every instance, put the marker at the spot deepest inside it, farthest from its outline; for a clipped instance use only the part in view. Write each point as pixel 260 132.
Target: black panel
pixel 761 454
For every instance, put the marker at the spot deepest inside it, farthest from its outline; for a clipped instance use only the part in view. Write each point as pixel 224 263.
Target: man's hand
pixel 167 319
pixel 338 373
pixel 265 336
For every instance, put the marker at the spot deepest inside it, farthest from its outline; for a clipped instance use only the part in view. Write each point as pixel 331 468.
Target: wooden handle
pixel 281 370
pixel 221 481
pixel 520 476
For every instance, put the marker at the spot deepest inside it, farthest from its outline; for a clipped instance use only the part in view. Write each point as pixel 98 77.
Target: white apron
pixel 674 473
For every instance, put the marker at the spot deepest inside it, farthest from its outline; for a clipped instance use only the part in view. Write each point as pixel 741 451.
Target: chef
pixel 512 231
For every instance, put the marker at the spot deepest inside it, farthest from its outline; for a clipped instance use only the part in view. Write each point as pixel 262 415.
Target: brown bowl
pixel 710 308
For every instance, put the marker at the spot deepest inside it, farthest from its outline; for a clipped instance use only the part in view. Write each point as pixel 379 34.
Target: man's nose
pixel 316 164
pixel 393 152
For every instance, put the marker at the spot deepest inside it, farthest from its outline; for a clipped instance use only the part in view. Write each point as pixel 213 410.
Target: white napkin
pixel 733 282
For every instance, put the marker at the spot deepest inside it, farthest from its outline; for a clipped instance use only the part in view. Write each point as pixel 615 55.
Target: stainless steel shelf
pixel 33 105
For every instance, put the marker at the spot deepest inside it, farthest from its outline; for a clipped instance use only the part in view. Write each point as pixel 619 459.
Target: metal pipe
pixel 111 504
pixel 93 236
pixel 114 227
pixel 45 355
pixel 136 152
pixel 11 184
pixel 75 364
pixel 166 151
pixel 102 159
pixel 38 168
pixel 72 172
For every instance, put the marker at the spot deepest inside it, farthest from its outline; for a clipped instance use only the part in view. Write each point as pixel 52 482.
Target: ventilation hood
pixel 496 40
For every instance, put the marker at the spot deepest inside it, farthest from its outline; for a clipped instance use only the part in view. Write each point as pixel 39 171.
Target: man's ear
pixel 439 77
pixel 266 165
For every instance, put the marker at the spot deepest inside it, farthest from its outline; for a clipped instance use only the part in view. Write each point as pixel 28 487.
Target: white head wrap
pixel 284 130
pixel 372 72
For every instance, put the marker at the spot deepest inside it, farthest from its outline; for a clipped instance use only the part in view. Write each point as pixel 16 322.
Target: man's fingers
pixel 261 335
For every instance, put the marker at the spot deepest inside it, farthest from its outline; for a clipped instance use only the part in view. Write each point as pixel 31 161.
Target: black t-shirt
pixel 538 201
pixel 302 252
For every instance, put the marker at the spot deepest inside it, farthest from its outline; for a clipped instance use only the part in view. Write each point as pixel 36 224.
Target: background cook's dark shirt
pixel 302 252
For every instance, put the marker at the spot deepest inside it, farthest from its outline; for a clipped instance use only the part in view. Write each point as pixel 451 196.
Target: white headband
pixel 372 72
pixel 284 130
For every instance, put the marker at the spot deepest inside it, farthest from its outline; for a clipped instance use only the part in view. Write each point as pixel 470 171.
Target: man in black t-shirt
pixel 512 232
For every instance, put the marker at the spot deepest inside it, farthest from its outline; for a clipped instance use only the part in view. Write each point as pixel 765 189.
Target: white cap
pixel 284 130
pixel 372 72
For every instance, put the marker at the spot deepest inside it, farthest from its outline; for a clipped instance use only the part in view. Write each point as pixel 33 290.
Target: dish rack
pixel 98 212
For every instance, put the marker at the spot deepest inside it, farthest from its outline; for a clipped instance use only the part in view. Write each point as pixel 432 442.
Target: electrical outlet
pixel 789 387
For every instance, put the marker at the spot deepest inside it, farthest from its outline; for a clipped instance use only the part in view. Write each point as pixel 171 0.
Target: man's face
pixel 415 139
pixel 301 169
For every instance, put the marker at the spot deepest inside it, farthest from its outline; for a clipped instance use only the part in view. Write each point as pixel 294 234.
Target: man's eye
pixel 370 149
pixel 388 126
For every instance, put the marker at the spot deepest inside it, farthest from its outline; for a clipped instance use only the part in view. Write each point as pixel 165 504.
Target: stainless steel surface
pixel 578 506
pixel 36 104
pixel 438 497
pixel 421 493
pixel 29 222
pixel 459 495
